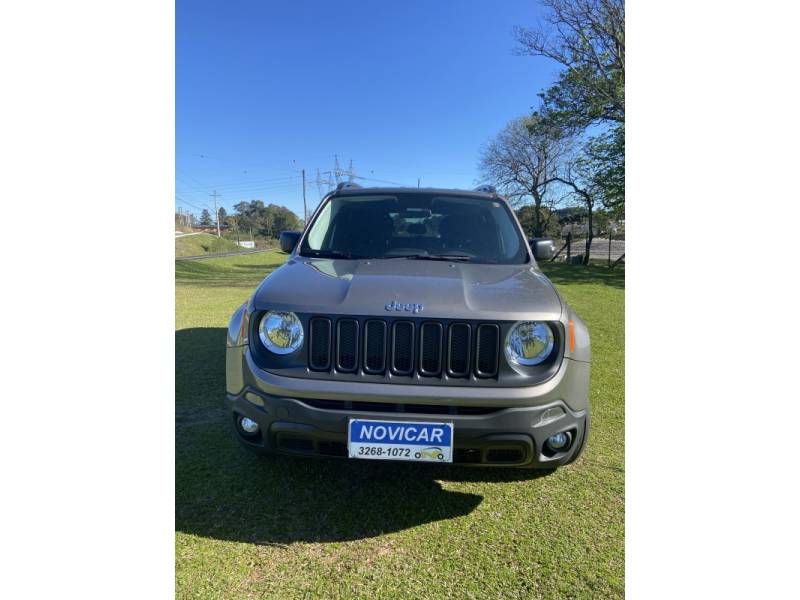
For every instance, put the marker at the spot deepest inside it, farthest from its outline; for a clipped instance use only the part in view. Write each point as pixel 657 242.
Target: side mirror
pixel 289 240
pixel 543 249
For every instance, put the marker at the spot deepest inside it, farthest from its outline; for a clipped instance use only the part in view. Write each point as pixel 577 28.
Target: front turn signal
pixel 571 336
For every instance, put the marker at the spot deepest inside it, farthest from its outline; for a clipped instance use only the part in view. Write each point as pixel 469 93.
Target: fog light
pixel 248 425
pixel 558 441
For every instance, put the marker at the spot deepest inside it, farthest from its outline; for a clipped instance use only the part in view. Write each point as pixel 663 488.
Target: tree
pixel 550 222
pixel 521 162
pixel 605 155
pixel 205 217
pixel 266 221
pixel 586 180
pixel 586 37
pixel 222 216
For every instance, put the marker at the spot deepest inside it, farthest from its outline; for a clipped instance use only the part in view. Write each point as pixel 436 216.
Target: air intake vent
pixel 403 348
pixel 347 345
pixel 458 350
pixel 430 349
pixel 319 348
pixel 486 351
pixel 375 347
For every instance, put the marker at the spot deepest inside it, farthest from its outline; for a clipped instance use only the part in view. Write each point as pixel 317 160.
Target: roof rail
pixel 488 189
pixel 348 185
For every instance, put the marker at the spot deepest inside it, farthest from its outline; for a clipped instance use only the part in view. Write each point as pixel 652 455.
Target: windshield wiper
pixel 447 257
pixel 326 254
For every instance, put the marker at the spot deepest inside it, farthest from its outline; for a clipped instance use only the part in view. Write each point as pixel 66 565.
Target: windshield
pixel 416 226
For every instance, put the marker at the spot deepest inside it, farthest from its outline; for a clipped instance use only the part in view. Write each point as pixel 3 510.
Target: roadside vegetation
pixel 296 528
pixel 203 243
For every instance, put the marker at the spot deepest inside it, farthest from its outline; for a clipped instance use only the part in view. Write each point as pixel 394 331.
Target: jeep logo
pixel 399 306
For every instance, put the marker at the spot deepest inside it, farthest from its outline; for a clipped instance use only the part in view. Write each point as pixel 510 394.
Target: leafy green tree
pixel 222 216
pixel 266 221
pixel 205 217
pixel 605 155
pixel 587 38
pixel 550 226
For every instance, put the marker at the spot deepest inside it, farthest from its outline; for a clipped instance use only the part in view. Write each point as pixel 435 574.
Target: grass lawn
pixel 302 528
pixel 203 243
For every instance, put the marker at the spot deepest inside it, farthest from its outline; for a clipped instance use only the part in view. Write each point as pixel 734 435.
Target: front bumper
pixel 492 426
pixel 505 437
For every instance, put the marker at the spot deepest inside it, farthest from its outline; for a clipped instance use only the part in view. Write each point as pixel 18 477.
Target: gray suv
pixel 411 324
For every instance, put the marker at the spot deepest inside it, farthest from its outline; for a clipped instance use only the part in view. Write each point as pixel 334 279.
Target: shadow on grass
pixel 225 492
pixel 562 273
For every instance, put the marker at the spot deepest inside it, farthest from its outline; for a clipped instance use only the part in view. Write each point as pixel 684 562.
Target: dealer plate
pixel 400 440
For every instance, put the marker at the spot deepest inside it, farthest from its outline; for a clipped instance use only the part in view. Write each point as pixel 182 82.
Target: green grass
pixel 203 243
pixel 302 528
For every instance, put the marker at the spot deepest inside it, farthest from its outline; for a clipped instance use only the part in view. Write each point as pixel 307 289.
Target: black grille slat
pixel 430 349
pixel 375 347
pixel 403 348
pixel 488 339
pixel 347 345
pixel 319 348
pixel 458 345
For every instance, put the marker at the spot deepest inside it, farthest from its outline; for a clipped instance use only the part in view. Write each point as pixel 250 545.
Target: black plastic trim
pixel 371 323
pixel 478 371
pixel 311 342
pixel 439 335
pixel 356 338
pixel 410 370
pixel 468 364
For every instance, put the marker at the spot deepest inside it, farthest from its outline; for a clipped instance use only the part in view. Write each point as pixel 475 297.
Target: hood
pixel 433 289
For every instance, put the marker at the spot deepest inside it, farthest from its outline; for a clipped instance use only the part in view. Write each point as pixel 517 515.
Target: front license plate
pixel 400 440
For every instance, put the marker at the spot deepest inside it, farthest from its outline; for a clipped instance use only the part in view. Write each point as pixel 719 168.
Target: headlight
pixel 280 332
pixel 529 343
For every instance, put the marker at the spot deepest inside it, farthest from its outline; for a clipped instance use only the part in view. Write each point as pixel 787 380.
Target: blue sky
pixel 405 90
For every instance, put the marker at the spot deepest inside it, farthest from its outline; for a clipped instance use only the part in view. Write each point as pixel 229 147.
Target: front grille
pixel 319 349
pixel 458 350
pixel 486 351
pixel 391 407
pixel 430 349
pixel 347 345
pixel 505 455
pixel 403 348
pixel 375 347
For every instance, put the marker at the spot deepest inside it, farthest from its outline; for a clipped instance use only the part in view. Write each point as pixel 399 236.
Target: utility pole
pixel 216 211
pixel 305 208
